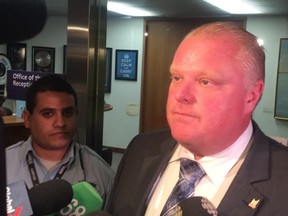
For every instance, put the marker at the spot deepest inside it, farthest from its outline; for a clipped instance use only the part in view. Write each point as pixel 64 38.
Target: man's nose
pixel 186 93
pixel 59 120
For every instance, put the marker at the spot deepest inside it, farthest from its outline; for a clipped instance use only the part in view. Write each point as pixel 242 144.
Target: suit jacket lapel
pixel 155 166
pixel 242 198
pixel 139 169
pixel 151 170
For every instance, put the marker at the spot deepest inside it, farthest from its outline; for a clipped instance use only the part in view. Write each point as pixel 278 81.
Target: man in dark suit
pixel 217 80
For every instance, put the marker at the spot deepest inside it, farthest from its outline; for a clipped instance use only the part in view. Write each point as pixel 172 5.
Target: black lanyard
pixel 33 173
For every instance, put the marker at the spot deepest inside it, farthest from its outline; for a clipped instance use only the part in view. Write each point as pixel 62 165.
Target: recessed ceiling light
pixel 128 10
pixel 234 6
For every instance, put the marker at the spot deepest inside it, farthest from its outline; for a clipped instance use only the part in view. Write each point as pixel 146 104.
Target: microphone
pixel 197 206
pixel 21 19
pixel 85 200
pixel 43 199
pixel 2 169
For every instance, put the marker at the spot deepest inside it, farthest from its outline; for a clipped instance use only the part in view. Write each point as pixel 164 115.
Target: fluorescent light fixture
pixel 234 6
pixel 76 28
pixel 126 9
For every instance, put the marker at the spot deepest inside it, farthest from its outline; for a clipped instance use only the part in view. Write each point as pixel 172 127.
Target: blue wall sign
pixel 126 65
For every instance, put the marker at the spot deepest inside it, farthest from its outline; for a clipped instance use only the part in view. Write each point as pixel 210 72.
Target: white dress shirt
pixel 216 167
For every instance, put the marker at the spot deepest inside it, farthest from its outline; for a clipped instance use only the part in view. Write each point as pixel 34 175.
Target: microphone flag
pixel 85 200
pixel 18 202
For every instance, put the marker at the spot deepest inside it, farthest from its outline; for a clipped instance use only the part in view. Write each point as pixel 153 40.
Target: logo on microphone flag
pixel 85 200
pixel 18 202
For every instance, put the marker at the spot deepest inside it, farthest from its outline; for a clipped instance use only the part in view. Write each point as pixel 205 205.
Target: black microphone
pixel 197 206
pixel 43 199
pixel 21 19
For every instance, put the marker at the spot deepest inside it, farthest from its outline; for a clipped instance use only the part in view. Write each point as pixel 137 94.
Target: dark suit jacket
pixel 263 175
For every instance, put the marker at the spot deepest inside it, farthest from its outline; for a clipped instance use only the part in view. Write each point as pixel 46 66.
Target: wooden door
pixel 161 43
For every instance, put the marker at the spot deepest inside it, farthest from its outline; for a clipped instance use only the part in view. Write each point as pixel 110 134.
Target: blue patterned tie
pixel 189 174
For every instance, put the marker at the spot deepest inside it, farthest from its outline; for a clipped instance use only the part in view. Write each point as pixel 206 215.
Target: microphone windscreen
pixel 50 196
pixel 21 19
pixel 197 206
pixel 85 200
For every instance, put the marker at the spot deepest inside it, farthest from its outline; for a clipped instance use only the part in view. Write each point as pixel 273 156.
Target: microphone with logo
pixel 85 200
pixel 195 206
pixel 43 199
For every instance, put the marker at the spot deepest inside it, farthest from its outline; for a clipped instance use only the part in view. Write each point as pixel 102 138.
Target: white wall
pixel 54 34
pixel 119 127
pixel 270 29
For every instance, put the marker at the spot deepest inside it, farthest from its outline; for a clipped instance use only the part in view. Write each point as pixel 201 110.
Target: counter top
pixel 12 121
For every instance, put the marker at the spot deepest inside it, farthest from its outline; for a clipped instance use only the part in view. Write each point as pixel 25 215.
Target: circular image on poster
pixel 4 67
pixel 43 58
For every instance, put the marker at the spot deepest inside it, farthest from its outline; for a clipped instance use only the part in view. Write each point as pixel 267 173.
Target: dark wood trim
pixel 115 149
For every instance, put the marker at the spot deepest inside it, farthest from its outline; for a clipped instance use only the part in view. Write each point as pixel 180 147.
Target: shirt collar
pixel 218 165
pixel 27 146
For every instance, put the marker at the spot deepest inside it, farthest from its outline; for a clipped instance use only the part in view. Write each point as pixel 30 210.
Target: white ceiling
pixel 180 8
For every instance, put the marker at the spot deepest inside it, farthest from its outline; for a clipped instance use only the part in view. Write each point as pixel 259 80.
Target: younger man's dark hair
pixel 51 82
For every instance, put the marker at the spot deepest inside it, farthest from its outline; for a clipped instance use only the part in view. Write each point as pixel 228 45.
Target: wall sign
pixel 19 81
pixel 126 65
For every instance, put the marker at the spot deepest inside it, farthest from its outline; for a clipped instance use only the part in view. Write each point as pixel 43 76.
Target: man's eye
pixel 205 82
pixel 47 113
pixel 175 77
pixel 68 113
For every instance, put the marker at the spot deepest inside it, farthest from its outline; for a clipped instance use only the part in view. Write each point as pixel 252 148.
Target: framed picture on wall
pixel 108 70
pixel 126 65
pixel 43 59
pixel 16 53
pixel 64 59
pixel 281 100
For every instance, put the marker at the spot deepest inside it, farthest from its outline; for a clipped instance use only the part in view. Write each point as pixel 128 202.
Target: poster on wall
pixel 5 66
pixel 126 65
pixel 108 70
pixel 16 53
pixel 281 100
pixel 43 59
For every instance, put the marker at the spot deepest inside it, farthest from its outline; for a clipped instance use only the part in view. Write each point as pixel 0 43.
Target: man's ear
pixel 254 95
pixel 26 117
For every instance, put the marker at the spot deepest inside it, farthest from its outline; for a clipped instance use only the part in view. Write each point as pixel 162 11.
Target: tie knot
pixel 190 170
